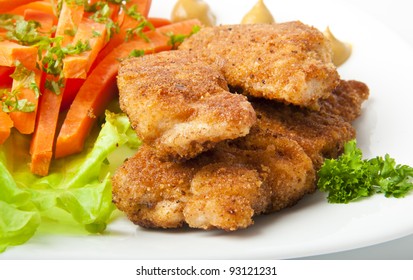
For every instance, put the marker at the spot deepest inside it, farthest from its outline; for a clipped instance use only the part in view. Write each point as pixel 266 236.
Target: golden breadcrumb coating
pixel 181 104
pixel 346 100
pixel 271 168
pixel 289 62
pixel 222 188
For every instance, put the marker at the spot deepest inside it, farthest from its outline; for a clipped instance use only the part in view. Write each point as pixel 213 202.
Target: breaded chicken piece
pixel 180 104
pixel 222 188
pixel 346 99
pixel 288 62
pixel 271 168
pixel 321 134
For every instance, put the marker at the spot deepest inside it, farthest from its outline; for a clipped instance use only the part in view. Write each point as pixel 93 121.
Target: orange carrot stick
pixel 41 145
pixel 24 122
pixel 70 92
pixel 128 22
pixel 46 20
pixel 143 6
pixel 77 66
pixel 5 125
pixel 7 5
pixel 41 6
pixel 10 52
pixel 100 87
pixel 158 22
pixel 113 8
pixel 69 19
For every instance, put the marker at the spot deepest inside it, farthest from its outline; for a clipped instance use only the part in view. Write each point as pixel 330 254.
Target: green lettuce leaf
pixel 80 185
pixel 19 218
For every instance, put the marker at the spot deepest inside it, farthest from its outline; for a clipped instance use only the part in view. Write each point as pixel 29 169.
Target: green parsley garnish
pixel 10 102
pixel 50 51
pixel 24 32
pixel 176 39
pixel 24 78
pixel 350 177
pixel 142 22
pixel 136 53
pixel 52 60
pixel 101 14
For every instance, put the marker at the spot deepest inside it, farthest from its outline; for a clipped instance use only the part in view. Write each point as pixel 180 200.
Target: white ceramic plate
pixel 313 227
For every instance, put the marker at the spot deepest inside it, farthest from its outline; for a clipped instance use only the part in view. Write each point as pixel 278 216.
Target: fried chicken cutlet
pixel 180 103
pixel 288 62
pixel 221 188
pixel 271 168
pixel 346 99
pixel 321 134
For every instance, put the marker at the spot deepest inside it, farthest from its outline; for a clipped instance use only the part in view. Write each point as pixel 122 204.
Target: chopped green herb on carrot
pixel 100 87
pixel 70 52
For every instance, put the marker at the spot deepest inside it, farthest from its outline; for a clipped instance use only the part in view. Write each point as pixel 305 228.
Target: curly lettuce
pixel 77 187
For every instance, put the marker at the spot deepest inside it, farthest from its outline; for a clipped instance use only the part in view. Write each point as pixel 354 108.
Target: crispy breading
pixel 180 103
pixel 289 62
pixel 222 188
pixel 320 134
pixel 271 168
pixel 346 100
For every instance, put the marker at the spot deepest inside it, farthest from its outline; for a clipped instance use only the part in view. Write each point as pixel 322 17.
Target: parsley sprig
pixel 142 23
pixel 176 39
pixel 350 177
pixel 52 58
pixel 10 102
pixel 101 14
pixel 136 53
pixel 24 32
pixel 50 53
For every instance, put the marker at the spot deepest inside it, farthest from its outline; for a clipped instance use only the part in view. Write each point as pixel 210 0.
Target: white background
pixel 397 15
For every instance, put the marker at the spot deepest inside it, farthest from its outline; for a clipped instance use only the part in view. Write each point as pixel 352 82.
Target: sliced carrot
pixel 46 20
pixel 100 87
pixel 43 140
pixel 77 66
pixel 41 6
pixel 25 122
pixel 113 9
pixel 70 17
pixel 143 7
pixel 158 22
pixel 10 52
pixel 7 5
pixel 5 126
pixel 5 79
pixel 69 94
pixel 41 145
